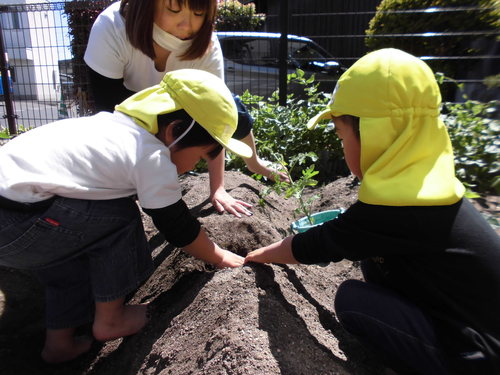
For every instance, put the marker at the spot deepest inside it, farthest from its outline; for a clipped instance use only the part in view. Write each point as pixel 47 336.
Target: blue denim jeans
pixel 82 251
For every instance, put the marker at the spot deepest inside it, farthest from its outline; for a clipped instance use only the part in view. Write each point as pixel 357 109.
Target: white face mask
pixel 168 41
pixel 181 136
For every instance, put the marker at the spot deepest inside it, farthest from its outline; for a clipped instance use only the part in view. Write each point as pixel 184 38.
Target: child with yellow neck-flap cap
pixel 67 209
pixel 430 301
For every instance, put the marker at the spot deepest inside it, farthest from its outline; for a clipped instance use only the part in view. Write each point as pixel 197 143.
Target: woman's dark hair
pixel 196 136
pixel 139 19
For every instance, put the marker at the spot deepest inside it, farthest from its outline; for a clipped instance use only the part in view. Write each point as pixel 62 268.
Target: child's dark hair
pixel 196 136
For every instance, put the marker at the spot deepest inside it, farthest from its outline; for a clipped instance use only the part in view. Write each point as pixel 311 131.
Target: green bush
pixel 281 130
pixel 234 16
pixel 476 144
pixel 474 131
pixel 388 21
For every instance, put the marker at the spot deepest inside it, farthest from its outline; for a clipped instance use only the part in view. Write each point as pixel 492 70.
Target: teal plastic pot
pixel 303 224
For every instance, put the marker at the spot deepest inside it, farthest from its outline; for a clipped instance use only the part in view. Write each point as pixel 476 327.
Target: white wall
pixel 31 44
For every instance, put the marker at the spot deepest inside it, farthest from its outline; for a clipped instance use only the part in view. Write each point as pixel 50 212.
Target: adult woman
pixel 134 42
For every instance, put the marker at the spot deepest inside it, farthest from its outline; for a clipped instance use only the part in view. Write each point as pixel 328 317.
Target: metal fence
pixel 40 65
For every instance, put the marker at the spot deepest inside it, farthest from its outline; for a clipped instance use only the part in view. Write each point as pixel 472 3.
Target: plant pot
pixel 303 224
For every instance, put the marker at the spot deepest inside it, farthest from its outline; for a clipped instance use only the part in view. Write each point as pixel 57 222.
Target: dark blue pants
pixel 403 336
pixel 83 251
pixel 394 328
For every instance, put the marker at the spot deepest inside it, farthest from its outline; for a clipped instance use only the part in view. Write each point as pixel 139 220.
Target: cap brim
pixel 238 147
pixel 323 115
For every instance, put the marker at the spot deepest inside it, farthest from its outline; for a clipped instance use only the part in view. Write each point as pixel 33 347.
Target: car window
pixel 303 53
pixel 252 51
pixel 236 50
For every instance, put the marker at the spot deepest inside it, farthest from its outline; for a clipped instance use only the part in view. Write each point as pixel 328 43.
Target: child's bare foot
pixel 59 347
pixel 268 170
pixel 125 321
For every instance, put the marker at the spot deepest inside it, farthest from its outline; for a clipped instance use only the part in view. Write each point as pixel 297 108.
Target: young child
pixel 67 212
pixel 430 303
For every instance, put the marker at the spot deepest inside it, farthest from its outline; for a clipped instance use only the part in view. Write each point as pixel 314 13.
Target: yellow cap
pixel 204 96
pixel 406 153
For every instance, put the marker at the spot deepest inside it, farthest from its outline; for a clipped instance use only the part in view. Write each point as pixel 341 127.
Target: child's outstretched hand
pixel 230 259
pixel 256 256
pixel 278 252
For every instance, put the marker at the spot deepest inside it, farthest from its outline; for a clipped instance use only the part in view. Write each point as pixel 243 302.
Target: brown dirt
pixel 254 320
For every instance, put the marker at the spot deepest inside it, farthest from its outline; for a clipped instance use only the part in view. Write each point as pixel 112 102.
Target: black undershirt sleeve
pixel 366 231
pixel 107 92
pixel 176 223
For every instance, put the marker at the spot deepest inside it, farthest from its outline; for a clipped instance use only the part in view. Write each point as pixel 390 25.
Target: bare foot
pixel 58 352
pixel 129 320
pixel 269 170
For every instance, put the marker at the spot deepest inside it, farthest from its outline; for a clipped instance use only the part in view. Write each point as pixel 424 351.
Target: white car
pixel 251 62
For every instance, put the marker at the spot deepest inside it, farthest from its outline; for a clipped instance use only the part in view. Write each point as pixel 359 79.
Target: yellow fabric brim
pixel 235 146
pixel 323 115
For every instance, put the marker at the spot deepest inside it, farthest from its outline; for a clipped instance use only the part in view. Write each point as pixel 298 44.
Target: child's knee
pixel 347 295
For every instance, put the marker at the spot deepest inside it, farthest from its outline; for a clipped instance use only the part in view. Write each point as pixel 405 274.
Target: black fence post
pixel 4 71
pixel 283 52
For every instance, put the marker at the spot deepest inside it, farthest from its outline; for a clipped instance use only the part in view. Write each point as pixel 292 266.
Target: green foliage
pixel 281 130
pixel 474 133
pixel 475 138
pixel 5 134
pixel 234 16
pixel 388 21
pixel 295 188
pixel 492 81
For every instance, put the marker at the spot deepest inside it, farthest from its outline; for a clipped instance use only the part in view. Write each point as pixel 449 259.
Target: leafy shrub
pixel 476 144
pixel 281 130
pixel 234 16
pixel 474 132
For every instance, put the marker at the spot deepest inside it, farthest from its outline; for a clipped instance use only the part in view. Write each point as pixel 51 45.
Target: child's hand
pixel 278 252
pixel 257 256
pixel 230 259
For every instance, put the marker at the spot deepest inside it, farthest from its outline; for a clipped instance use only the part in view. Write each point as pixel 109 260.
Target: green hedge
pixel 234 16
pixel 388 21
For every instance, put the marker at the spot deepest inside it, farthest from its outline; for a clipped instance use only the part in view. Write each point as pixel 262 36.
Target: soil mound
pixel 258 319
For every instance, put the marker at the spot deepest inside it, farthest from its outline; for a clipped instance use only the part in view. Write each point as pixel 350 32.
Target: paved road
pixel 32 113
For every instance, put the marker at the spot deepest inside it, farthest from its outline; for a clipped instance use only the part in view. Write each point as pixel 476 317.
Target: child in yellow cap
pixel 430 301
pixel 67 212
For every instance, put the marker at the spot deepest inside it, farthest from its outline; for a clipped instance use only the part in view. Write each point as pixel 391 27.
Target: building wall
pixel 30 43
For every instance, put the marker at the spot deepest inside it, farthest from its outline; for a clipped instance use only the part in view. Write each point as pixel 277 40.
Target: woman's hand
pixel 219 197
pixel 222 201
